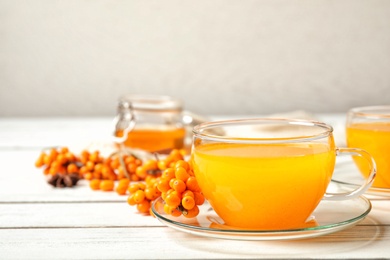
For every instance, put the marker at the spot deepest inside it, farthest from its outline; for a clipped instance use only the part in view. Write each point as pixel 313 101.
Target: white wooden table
pixel 41 222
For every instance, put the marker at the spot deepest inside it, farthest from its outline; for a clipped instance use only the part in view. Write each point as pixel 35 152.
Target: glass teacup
pixel 369 128
pixel 268 173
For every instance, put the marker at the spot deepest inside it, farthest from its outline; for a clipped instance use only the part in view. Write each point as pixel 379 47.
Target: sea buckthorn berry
pixel 163 185
pixel 191 172
pixel 46 171
pixel 188 202
pixel 130 200
pixel 133 188
pixel 172 211
pixel 121 190
pixel 161 165
pixel 72 168
pixel 85 153
pixel 111 177
pixel 182 163
pixel 53 171
pixel 192 184
pixel 105 171
pixel 107 185
pixel 47 160
pixel 134 177
pixel 94 184
pixel 199 198
pixel 55 165
pixel 170 191
pixel 97 175
pixel 124 182
pixel 131 168
pixel 94 157
pixel 144 206
pixel 129 159
pixel 173 199
pixel 150 180
pixel 179 186
pixel 188 193
pixel 138 162
pixel 90 166
pixel 167 209
pixel 171 182
pixel 150 165
pixel 53 153
pixel 142 185
pixel 39 162
pixel 141 172
pixel 168 174
pixel 64 149
pixel 114 164
pixel 181 173
pixel 70 156
pixel 163 195
pixel 98 167
pixel 61 159
pixel 139 196
pixel 151 193
pixel 84 170
pixel 88 176
pixel 176 155
pixel 191 213
pixel 121 170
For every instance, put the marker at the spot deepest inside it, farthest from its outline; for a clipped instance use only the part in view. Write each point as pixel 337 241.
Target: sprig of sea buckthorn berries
pixel 180 190
pixel 142 194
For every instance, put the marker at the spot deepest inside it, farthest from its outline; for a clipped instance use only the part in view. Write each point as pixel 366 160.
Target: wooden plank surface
pixel 38 221
pixel 360 242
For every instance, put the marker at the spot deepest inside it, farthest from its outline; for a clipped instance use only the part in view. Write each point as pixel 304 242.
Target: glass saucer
pixel 329 217
pixel 347 177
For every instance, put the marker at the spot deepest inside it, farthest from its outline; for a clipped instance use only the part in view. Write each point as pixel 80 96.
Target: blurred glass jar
pixel 153 123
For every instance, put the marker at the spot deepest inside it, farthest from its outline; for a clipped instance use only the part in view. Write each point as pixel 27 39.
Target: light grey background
pixel 76 57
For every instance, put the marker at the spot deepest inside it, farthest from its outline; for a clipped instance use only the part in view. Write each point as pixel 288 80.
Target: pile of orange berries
pixel 143 181
pixel 103 172
pixel 58 161
pixel 180 190
pixel 177 186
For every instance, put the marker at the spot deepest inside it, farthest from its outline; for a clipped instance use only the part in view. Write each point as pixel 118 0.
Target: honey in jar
pixel 150 123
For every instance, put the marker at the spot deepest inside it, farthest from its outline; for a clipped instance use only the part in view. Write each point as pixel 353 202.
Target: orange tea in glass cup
pixel 268 173
pixel 369 128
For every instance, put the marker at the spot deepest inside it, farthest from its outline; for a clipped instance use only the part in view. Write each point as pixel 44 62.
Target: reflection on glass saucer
pixel 329 217
pixel 347 177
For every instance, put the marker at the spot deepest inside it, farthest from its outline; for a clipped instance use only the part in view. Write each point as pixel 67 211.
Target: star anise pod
pixel 64 180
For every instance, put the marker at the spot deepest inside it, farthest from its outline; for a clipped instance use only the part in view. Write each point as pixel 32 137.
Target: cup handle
pixel 367 183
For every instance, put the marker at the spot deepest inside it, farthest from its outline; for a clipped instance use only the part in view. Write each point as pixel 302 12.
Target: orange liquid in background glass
pixel 156 139
pixel 375 139
pixel 270 186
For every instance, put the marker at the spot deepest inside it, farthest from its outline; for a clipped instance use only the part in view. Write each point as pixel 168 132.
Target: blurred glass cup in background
pixel 368 128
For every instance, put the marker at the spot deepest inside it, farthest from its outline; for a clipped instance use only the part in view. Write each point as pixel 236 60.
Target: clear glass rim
pixel 375 112
pixel 198 130
pixel 152 102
